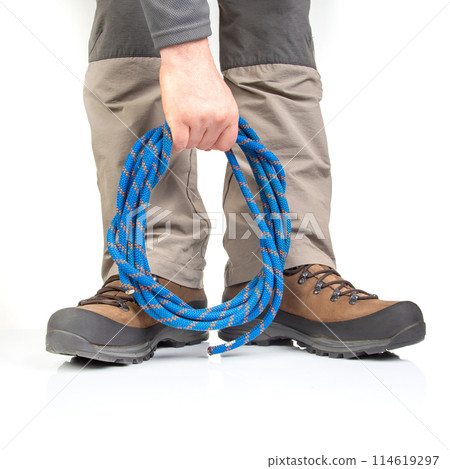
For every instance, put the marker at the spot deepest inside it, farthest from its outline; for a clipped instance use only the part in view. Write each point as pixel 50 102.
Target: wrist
pixel 187 53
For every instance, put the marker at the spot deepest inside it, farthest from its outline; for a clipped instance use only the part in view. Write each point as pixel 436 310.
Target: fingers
pixel 213 131
pixel 196 134
pixel 221 135
pixel 227 138
pixel 180 136
pixel 210 137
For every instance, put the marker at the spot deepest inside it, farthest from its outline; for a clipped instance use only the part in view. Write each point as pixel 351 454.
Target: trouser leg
pixel 267 59
pixel 123 101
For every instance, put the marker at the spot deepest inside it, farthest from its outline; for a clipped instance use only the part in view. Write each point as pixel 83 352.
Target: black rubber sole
pixel 335 339
pixel 82 333
pixel 68 343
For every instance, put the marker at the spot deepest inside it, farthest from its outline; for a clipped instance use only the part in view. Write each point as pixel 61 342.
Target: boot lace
pixel 341 287
pixel 104 296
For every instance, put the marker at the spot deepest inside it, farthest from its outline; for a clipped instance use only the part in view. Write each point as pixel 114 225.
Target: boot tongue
pixel 115 283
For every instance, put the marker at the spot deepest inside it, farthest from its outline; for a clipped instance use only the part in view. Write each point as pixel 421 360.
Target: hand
pixel 198 105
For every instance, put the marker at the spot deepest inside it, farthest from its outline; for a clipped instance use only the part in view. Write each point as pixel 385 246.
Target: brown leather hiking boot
pixel 328 316
pixel 112 327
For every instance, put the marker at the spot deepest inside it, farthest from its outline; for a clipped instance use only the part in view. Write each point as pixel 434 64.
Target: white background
pixel 386 75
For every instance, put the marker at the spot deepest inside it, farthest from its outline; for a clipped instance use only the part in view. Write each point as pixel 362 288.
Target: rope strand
pixel 143 169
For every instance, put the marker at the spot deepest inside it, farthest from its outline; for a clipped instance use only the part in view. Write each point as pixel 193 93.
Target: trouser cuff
pixel 177 273
pixel 297 256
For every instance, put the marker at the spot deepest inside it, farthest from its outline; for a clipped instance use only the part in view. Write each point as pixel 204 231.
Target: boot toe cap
pixel 95 328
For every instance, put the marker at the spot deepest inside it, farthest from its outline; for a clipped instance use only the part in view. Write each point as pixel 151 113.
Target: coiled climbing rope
pixel 143 169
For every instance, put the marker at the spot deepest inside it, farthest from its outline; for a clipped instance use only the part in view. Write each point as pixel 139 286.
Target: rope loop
pixel 143 169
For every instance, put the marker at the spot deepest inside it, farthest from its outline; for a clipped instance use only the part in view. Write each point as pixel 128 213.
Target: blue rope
pixel 143 169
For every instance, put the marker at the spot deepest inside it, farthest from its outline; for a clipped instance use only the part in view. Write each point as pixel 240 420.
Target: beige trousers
pixel 280 101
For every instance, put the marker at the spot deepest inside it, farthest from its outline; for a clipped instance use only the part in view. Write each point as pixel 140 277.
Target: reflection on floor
pixel 259 401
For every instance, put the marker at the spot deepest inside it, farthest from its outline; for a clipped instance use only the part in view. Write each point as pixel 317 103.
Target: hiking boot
pixel 325 314
pixel 112 327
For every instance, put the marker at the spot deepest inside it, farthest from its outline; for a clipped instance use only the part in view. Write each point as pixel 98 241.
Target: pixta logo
pixel 153 223
pixel 244 225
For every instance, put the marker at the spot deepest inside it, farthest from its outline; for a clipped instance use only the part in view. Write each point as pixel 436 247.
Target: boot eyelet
pixel 318 288
pixel 123 305
pixel 353 299
pixel 335 296
pixel 303 277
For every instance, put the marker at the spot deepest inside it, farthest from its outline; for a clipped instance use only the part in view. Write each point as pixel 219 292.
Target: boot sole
pixel 83 333
pixel 68 343
pixel 277 334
